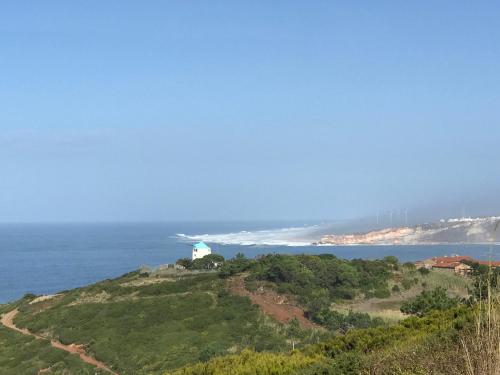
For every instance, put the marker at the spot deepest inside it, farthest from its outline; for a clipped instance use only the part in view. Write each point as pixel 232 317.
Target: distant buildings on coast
pixel 460 264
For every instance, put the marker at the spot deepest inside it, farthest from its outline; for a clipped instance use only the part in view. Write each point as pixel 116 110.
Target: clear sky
pixel 230 110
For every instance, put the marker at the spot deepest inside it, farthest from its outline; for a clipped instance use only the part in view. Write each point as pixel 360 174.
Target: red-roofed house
pixel 457 263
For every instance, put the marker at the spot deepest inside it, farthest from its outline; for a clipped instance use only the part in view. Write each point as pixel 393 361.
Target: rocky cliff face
pixel 465 230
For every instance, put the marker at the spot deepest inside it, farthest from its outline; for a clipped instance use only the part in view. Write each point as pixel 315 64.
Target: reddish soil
pixel 8 321
pixel 271 303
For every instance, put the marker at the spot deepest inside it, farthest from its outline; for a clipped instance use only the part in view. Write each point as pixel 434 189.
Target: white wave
pixel 294 236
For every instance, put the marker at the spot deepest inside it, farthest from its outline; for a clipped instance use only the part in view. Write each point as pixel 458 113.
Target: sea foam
pixel 293 236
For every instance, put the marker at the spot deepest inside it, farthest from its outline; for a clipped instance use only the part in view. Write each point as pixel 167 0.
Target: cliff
pixel 464 230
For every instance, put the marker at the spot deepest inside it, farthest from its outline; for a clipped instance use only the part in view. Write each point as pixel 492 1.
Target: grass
pixel 456 285
pixel 148 328
pixel 389 308
pixel 480 343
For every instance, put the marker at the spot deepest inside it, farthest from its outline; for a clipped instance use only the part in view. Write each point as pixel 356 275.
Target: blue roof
pixel 201 245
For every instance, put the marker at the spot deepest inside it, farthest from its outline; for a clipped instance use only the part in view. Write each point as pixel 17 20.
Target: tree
pixel 392 261
pixel 184 262
pixel 424 271
pixel 484 277
pixel 427 301
pixel 409 265
pixel 238 264
pixel 208 262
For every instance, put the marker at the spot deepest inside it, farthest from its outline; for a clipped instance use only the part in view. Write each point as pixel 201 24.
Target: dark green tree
pixel 427 301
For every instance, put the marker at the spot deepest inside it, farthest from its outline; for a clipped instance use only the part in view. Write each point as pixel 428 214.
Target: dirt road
pixel 8 321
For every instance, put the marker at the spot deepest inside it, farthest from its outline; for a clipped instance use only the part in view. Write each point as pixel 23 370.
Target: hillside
pixel 426 345
pixel 245 318
pixel 463 231
pixel 143 325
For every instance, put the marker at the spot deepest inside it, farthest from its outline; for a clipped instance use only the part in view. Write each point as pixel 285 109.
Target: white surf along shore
pixel 481 230
pixel 292 236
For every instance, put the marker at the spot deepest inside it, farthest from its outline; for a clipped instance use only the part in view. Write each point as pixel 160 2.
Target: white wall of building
pixel 200 253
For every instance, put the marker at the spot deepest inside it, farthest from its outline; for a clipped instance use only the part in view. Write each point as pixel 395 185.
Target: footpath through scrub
pixel 8 321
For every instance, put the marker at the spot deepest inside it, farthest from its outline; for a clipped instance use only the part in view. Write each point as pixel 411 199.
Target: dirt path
pixel 8 321
pixel 271 303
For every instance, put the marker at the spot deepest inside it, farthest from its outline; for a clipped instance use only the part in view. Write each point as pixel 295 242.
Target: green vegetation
pixel 359 351
pixel 337 321
pixel 424 271
pixel 318 280
pixel 250 362
pixel 208 262
pixel 21 354
pixel 141 325
pixel 308 275
pixel 427 301
pixel 443 337
pixel 187 323
pixel 484 278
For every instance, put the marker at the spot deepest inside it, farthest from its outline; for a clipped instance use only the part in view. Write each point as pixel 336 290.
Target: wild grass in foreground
pixel 481 341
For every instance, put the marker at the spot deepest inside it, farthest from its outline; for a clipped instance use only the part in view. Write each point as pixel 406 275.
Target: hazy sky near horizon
pixel 223 110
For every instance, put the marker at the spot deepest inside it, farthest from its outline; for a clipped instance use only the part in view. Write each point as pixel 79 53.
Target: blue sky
pixel 134 111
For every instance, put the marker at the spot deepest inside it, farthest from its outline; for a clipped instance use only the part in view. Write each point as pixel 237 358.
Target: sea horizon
pixel 46 258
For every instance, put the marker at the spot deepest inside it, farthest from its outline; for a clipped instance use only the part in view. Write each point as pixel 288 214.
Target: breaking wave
pixel 294 236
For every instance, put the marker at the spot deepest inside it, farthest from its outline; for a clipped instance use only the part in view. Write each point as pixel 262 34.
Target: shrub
pixel 424 271
pixel 336 321
pixel 427 301
pixel 409 265
pixel 407 284
pixel 184 262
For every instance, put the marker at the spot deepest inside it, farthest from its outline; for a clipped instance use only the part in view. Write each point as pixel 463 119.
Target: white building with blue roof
pixel 200 250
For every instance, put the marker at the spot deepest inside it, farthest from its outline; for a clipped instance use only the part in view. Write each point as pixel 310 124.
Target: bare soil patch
pixel 271 303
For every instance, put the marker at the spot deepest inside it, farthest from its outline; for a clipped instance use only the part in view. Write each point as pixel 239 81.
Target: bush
pixel 424 271
pixel 392 261
pixel 184 262
pixel 396 289
pixel 336 321
pixel 427 301
pixel 407 283
pixel 409 265
pixel 325 276
pixel 235 265
pixel 208 262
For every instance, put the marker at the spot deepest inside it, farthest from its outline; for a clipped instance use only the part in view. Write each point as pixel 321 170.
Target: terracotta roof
pixel 446 265
pixel 455 258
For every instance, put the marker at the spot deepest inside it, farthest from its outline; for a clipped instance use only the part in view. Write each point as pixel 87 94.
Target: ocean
pixel 47 258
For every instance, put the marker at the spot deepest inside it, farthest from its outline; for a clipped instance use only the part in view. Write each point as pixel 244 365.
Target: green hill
pixel 191 322
pixel 141 325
